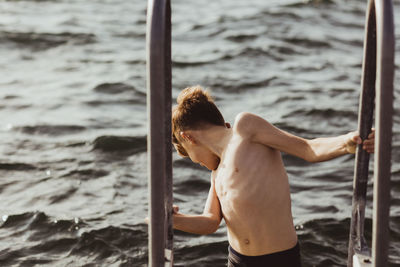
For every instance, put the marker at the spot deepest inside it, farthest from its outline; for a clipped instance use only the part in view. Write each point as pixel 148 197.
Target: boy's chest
pixel 225 179
pixel 230 179
pixel 243 169
pixel 230 170
pixel 235 190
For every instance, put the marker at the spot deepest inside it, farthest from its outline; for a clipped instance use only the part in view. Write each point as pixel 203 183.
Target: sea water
pixel 73 182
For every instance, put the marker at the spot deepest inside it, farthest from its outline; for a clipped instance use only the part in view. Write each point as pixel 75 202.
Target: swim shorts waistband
pixel 289 258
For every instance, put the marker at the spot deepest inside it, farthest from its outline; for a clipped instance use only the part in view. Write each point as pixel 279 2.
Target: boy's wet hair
pixel 195 107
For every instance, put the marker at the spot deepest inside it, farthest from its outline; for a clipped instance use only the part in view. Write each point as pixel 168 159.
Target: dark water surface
pixel 73 183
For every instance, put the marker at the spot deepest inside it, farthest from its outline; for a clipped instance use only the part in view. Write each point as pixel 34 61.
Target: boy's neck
pixel 215 138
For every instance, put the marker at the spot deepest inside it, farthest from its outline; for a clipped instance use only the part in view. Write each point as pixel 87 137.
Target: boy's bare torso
pixel 253 190
pixel 249 184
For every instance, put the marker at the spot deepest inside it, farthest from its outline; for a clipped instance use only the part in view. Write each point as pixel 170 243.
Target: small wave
pixel 86 174
pixel 110 143
pixel 324 113
pixel 65 194
pixel 72 21
pixel 88 61
pixel 16 166
pixel 333 250
pixel 194 255
pixel 130 95
pixel 288 99
pixel 53 130
pixel 312 68
pixel 116 88
pixel 135 62
pixel 281 14
pixel 131 35
pixel 34 260
pixel 36 0
pixel 52 247
pixel 43 226
pixel 240 38
pixel 296 130
pixel 19 107
pixel 208 29
pixel 8 97
pixel 183 64
pixel 308 43
pixel 233 86
pixel 315 3
pixel 216 32
pixel 354 42
pixel 43 41
pixel 39 234
pixel 335 235
pixel 347 25
pixel 254 52
pixel 97 103
pixel 113 243
pixel 74 144
pixel 16 220
pixel 285 50
pixel 290 160
pixel 193 185
pixel 141 22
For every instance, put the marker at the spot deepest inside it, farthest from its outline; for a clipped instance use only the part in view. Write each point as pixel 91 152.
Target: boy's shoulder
pixel 245 123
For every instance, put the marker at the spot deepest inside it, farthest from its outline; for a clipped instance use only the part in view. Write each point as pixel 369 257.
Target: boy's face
pixel 200 154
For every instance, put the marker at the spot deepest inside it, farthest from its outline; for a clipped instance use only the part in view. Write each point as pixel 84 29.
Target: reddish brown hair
pixel 195 107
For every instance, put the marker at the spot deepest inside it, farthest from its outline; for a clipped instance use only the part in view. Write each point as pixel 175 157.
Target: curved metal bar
pixel 383 123
pixel 158 46
pixel 365 115
pixel 378 71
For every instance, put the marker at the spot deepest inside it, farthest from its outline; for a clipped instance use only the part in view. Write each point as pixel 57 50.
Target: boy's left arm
pixel 315 150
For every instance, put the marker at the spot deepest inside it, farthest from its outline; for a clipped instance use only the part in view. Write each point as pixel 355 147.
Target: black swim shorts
pixel 286 258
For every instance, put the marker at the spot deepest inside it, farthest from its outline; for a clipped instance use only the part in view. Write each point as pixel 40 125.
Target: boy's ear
pixel 187 137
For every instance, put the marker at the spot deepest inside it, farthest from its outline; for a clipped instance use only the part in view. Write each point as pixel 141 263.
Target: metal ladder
pixel 377 86
pixel 378 69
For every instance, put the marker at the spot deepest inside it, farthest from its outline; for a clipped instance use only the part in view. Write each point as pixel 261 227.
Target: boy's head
pixel 195 110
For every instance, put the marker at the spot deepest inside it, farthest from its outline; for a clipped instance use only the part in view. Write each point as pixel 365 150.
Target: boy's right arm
pixel 203 224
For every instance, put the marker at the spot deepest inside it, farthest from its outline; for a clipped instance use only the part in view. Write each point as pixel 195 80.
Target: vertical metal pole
pixel 168 197
pixel 158 46
pixel 383 139
pixel 365 114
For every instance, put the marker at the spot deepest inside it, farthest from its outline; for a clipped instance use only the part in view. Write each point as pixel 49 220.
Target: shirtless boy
pixel 249 184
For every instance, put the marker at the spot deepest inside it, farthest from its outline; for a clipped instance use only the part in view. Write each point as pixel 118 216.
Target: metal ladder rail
pixel 365 115
pixel 159 147
pixel 383 122
pixel 378 69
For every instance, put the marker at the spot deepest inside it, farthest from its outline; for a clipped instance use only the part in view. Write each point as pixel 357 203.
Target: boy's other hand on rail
pixel 354 139
pixel 175 210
